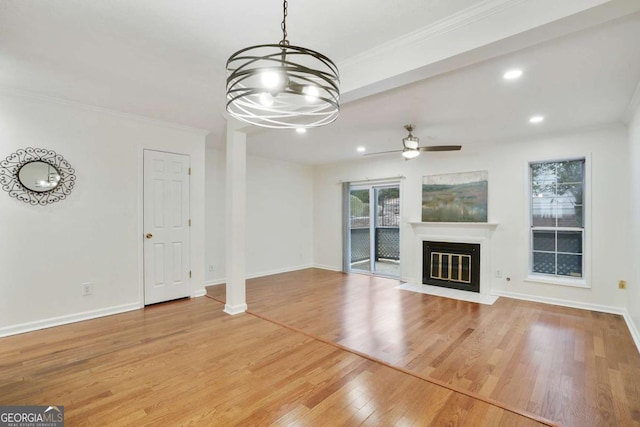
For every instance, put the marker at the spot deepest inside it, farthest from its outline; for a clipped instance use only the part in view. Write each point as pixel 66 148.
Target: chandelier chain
pixel 283 25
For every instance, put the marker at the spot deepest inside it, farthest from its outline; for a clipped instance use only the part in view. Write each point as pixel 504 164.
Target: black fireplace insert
pixel 451 265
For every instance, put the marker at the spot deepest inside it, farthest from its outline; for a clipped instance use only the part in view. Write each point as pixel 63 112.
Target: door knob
pixel 149 235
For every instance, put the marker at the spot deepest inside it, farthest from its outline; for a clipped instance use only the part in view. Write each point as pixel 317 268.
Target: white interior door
pixel 166 227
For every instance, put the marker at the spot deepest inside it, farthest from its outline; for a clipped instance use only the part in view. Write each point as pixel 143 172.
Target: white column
pixel 236 195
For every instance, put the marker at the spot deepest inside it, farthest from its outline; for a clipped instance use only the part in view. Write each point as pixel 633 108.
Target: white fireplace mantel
pixel 481 225
pixel 458 232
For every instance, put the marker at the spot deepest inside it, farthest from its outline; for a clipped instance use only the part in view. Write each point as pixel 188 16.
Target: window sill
pixel 576 283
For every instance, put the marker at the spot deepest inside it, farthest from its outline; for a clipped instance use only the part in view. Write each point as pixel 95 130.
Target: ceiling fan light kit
pixel 282 86
pixel 411 146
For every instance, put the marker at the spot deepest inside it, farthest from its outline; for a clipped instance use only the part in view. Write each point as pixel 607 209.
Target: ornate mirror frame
pixel 10 182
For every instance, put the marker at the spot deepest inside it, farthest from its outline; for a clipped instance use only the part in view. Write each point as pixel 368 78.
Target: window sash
pixel 557 207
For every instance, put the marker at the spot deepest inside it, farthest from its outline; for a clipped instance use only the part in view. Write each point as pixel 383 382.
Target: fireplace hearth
pixel 451 265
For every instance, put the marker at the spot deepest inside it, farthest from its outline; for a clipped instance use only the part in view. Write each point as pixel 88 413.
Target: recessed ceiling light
pixel 536 119
pixel 512 74
pixel 301 130
pixel 361 149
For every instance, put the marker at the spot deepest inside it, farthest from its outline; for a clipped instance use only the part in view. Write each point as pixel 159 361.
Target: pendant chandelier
pixel 282 86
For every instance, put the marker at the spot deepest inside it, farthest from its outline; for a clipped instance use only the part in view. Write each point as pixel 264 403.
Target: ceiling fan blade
pixel 441 148
pixel 382 152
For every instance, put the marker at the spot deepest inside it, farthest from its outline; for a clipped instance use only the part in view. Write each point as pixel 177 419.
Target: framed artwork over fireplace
pixel 455 197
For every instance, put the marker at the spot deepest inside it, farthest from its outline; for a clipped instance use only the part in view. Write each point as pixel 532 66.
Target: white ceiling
pixel 435 63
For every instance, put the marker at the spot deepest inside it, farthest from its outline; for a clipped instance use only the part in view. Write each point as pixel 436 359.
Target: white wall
pixel 507 166
pixel 633 289
pixel 95 235
pixel 279 216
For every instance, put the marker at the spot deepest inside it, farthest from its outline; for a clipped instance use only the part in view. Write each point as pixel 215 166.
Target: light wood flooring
pixel 574 367
pixel 325 348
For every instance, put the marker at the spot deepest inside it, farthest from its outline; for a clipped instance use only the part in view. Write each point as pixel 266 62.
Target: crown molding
pixel 455 21
pixel 488 29
pixel 52 100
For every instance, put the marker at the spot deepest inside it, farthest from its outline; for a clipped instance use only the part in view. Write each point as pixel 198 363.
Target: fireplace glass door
pixel 374 229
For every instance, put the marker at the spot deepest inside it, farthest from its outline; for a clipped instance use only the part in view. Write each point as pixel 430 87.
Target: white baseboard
pixel 199 293
pixel 560 302
pixel 235 309
pixel 633 330
pixel 278 271
pixel 584 306
pixel 223 280
pixel 327 267
pixel 64 320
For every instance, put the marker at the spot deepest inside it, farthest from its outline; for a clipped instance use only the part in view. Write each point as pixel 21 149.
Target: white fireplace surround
pixel 457 232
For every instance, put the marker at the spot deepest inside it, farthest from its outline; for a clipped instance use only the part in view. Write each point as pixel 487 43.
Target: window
pixel 557 219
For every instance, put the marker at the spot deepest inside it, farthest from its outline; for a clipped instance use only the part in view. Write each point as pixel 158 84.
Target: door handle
pixel 149 235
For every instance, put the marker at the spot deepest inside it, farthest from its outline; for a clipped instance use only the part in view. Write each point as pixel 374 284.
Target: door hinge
pixel 189 171
pixel 189 274
pixel 189 223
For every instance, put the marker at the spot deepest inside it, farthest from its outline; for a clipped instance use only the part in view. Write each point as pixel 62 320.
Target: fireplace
pixel 451 265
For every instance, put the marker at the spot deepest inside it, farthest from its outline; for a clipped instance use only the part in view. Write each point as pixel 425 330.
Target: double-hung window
pixel 557 219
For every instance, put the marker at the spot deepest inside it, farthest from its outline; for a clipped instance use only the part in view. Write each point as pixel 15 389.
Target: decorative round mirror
pixel 37 176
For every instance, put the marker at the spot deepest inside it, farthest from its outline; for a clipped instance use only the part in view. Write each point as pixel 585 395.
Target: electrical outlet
pixel 622 284
pixel 87 289
pixel 498 273
pixel 210 268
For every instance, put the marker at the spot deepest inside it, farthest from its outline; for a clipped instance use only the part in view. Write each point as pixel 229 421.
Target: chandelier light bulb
pixel 266 99
pixel 311 93
pixel 270 79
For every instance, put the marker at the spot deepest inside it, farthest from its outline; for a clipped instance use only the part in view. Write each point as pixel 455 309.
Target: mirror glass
pixel 39 176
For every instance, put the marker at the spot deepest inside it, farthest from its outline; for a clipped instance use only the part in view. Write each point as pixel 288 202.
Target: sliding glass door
pixel 374 229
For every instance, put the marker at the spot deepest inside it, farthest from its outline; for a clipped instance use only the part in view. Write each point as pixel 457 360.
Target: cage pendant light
pixel 282 86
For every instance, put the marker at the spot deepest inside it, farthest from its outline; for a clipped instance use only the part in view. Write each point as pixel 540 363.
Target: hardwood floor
pixel 325 348
pixel 574 367
pixel 188 363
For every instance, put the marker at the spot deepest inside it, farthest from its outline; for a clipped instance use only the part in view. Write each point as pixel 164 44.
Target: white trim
pixel 198 293
pixel 452 22
pixel 632 329
pixel 64 320
pixel 223 280
pixel 561 302
pixel 278 271
pixel 21 93
pixel 581 282
pixel 558 280
pixel 364 182
pixel 235 309
pixel 327 267
pixel 475 297
pixel 215 282
pixel 454 224
pixel 635 334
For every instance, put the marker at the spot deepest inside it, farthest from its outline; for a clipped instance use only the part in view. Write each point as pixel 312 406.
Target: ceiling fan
pixel 411 148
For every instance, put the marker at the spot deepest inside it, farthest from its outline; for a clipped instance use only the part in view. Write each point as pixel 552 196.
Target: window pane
pixel 543 212
pixel 544 263
pixel 570 171
pixel 570 265
pixel 359 208
pixel 543 188
pixel 571 193
pixel 557 201
pixel 544 241
pixel 570 241
pixel 570 216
